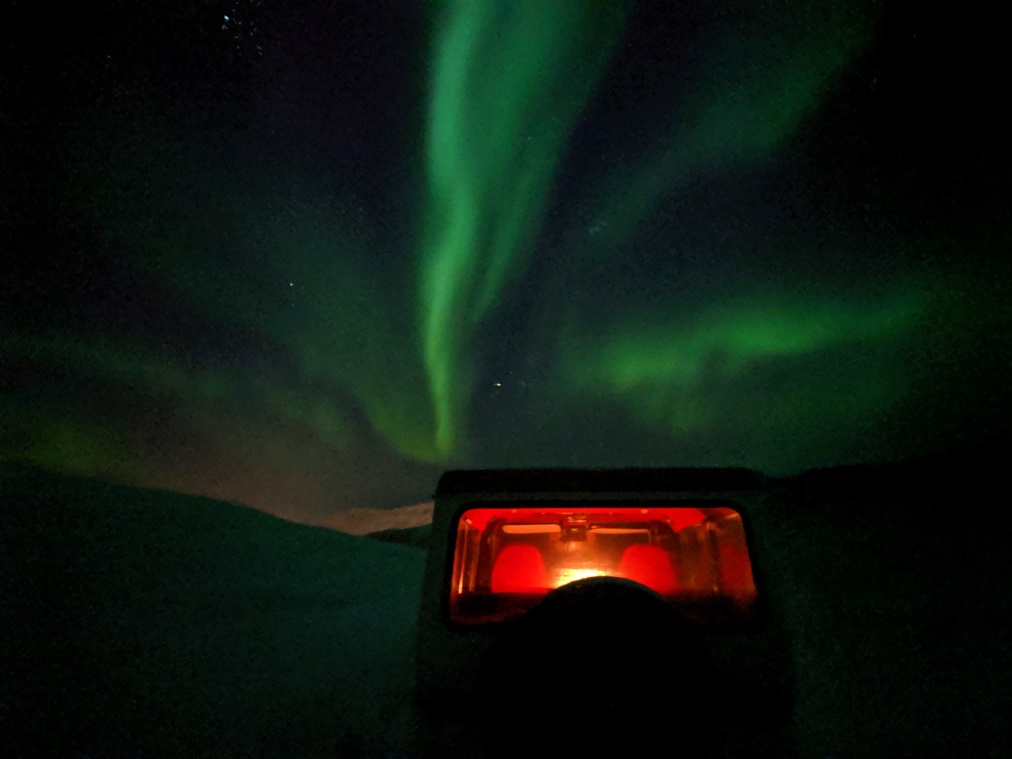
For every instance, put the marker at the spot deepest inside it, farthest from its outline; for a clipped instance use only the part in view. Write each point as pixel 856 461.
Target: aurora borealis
pixel 307 258
pixel 508 83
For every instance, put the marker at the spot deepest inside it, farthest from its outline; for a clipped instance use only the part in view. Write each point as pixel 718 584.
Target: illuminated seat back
pixel 519 569
pixel 650 566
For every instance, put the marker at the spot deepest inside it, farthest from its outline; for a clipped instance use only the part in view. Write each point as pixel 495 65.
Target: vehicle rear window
pixel 506 559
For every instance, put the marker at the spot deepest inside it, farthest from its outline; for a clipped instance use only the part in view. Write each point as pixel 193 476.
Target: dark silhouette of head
pixel 601 667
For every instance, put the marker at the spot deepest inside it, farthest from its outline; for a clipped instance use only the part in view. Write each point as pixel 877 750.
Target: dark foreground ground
pixel 142 623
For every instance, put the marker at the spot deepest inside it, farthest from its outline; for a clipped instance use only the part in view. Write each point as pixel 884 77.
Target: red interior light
pixel 506 559
pixel 650 566
pixel 519 569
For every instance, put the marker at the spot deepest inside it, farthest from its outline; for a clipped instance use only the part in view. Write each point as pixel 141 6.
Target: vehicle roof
pixel 633 480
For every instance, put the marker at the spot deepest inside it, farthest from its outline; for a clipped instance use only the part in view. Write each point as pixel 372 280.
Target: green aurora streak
pixel 508 82
pixel 759 79
pixel 366 315
pixel 667 373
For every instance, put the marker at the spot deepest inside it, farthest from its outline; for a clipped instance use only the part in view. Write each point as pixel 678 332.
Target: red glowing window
pixel 519 568
pixel 506 559
pixel 650 566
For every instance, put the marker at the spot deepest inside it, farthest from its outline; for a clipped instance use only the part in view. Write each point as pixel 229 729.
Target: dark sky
pixel 305 256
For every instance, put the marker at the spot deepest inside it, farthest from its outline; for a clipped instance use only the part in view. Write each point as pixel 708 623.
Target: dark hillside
pixel 895 587
pixel 146 623
pixel 408 536
pixel 149 623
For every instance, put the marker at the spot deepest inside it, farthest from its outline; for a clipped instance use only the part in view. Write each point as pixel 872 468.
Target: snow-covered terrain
pixel 144 623
pixel 364 521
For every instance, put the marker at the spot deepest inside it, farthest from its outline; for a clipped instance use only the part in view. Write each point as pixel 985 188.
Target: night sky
pixel 306 256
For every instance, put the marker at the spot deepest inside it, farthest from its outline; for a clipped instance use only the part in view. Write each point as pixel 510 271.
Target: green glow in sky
pixel 508 82
pixel 691 375
pixel 729 339
pixel 537 232
pixel 288 252
pixel 759 79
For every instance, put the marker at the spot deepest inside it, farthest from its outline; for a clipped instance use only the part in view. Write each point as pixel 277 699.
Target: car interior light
pixel 507 558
